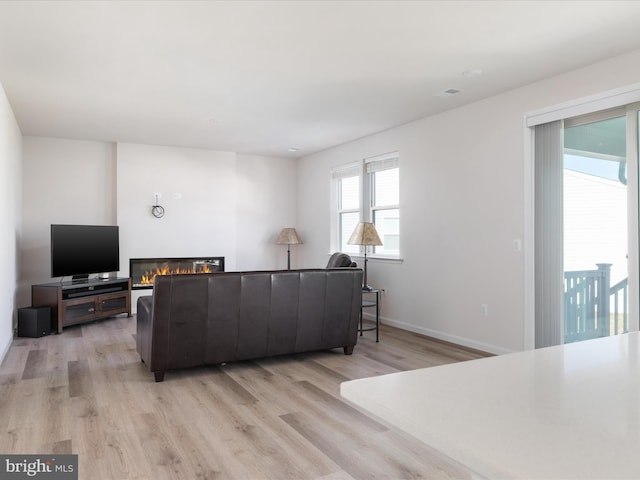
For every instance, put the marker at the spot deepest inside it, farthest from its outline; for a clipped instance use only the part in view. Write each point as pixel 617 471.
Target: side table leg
pixel 377 314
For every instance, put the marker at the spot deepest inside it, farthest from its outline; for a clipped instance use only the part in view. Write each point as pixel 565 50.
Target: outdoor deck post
pixel 604 315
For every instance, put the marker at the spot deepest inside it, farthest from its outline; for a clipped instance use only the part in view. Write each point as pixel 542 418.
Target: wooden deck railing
pixel 593 308
pixel 620 316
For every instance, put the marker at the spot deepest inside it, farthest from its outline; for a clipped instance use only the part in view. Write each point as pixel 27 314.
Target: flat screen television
pixel 80 250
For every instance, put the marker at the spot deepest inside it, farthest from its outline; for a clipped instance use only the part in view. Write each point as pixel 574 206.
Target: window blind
pixel 348 170
pixel 382 162
pixel 549 256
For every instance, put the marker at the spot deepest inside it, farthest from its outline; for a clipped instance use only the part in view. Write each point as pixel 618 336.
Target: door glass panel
pixel 595 230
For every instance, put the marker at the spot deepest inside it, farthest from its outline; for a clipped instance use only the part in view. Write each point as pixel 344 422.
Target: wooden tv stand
pixel 80 302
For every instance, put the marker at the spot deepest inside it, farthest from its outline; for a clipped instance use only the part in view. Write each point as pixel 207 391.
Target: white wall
pixel 265 203
pixel 10 188
pixel 462 183
pixel 201 222
pixel 64 181
pixel 462 197
pixel 231 205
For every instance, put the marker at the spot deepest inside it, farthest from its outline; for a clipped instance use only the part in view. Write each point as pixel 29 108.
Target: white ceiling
pixel 264 76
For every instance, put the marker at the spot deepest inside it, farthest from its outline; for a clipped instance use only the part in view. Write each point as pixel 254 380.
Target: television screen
pixel 79 250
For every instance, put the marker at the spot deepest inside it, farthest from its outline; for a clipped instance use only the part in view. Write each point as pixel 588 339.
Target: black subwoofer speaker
pixel 34 321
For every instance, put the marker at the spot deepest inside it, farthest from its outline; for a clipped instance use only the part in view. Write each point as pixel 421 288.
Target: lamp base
pixel 365 286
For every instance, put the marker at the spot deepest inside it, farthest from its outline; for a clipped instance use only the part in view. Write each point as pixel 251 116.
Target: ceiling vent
pixel 449 92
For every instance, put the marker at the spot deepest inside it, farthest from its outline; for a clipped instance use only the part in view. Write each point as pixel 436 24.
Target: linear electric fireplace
pixel 144 270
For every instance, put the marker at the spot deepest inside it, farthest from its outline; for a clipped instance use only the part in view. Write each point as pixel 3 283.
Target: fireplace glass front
pixel 144 270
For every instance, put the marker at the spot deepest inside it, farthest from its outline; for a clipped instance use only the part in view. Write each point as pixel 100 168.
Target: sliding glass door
pixel 586 226
pixel 595 226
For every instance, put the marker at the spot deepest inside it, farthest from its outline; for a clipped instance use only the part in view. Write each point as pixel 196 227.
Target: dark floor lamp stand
pixel 365 285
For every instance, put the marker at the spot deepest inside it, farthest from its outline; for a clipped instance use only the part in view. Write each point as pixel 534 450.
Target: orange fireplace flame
pixel 149 276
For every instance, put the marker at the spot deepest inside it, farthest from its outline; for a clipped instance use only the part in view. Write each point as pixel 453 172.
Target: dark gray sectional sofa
pixel 204 319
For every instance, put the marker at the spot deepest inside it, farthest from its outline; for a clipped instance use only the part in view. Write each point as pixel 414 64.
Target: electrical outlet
pixel 517 245
pixel 383 291
pixel 484 310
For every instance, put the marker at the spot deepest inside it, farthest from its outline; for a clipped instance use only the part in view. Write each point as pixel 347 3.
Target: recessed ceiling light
pixel 293 149
pixel 474 72
pixel 449 92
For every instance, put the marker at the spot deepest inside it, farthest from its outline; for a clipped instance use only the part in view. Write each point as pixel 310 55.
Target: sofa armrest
pixel 144 327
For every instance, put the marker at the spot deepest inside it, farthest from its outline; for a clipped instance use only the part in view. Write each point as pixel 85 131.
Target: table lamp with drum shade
pixel 288 237
pixel 365 234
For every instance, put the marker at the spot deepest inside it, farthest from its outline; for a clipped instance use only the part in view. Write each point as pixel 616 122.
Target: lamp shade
pixel 365 234
pixel 288 236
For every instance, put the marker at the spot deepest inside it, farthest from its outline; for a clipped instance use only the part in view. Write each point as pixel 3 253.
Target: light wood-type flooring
pixel 86 392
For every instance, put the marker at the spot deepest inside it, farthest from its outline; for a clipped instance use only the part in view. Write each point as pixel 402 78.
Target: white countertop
pixel 571 411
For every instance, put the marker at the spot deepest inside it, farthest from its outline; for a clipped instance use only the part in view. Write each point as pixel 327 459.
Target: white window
pixel 383 178
pixel 374 183
pixel 347 180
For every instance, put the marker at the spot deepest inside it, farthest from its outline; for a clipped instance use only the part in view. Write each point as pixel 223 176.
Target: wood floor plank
pixel 63 447
pixel 36 364
pixel 217 424
pixel 54 428
pixel 27 398
pixel 86 392
pixel 80 384
pixel 351 460
pixel 58 357
pixel 161 452
pixel 339 408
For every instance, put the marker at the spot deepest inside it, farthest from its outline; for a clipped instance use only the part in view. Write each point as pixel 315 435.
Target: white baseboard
pixel 4 350
pixel 465 342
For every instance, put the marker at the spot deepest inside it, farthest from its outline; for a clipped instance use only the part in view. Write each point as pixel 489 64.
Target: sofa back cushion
pixel 213 318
